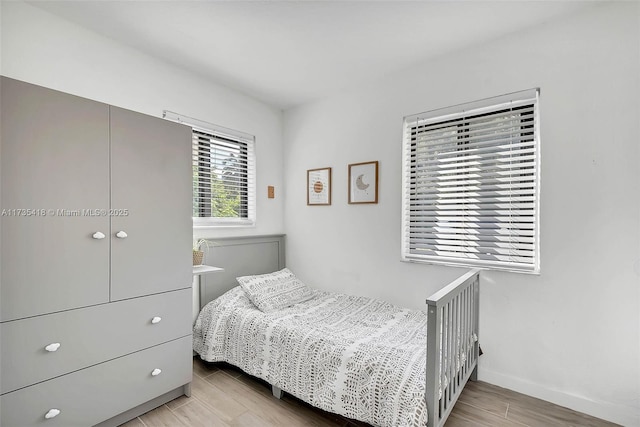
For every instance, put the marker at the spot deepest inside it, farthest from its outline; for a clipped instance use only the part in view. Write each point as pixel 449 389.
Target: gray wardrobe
pixel 95 271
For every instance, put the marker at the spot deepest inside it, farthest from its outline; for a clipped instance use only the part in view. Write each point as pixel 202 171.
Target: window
pixel 471 182
pixel 223 174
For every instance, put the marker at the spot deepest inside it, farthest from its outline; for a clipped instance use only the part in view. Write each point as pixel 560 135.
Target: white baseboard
pixel 624 415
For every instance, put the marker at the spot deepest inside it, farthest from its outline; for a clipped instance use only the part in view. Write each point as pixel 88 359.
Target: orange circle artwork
pixel 318 187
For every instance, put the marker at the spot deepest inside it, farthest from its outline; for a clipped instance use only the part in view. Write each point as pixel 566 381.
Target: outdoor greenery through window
pixel 224 169
pixel 220 176
pixel 471 184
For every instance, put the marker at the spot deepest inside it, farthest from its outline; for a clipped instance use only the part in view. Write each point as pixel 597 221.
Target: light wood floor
pixel 225 396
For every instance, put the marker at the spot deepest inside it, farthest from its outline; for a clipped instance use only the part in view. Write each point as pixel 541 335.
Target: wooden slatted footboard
pixel 452 344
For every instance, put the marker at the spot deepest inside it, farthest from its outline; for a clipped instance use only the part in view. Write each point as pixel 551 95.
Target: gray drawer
pixel 88 336
pixel 90 396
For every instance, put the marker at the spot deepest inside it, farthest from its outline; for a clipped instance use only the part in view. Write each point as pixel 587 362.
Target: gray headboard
pixel 239 256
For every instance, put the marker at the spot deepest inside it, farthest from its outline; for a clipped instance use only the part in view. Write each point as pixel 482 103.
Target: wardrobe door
pixel 151 184
pixel 54 169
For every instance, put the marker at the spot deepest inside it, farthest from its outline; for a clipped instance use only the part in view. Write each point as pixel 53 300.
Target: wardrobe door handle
pixel 53 347
pixel 52 413
pixel 121 235
pixel 156 319
pixel 98 235
pixel 156 372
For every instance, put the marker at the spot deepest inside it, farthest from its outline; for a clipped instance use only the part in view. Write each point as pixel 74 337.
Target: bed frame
pixel 239 256
pixel 452 316
pixel 452 329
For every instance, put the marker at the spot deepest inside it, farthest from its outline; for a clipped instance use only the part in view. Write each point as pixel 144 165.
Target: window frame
pixel 231 137
pixel 460 113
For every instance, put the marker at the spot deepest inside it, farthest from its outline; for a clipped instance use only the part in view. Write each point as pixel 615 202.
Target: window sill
pixel 198 223
pixel 535 271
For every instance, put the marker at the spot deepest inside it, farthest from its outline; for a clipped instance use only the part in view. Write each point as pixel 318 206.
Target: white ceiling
pixel 286 53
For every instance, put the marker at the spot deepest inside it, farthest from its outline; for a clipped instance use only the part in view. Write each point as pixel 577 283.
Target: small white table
pixel 202 269
pixel 199 270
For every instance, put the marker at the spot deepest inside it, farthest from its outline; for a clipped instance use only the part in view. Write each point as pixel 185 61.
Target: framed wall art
pixel 319 187
pixel 363 182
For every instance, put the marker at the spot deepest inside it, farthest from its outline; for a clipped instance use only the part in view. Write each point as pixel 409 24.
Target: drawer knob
pixel 53 347
pixel 156 319
pixel 98 235
pixel 52 413
pixel 121 234
pixel 156 372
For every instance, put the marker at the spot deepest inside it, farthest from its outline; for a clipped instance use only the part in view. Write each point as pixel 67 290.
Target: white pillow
pixel 275 291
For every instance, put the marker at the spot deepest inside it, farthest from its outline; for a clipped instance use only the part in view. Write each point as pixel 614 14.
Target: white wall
pixel 40 48
pixel 569 335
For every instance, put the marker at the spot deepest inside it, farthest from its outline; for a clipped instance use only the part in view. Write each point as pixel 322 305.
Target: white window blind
pixel 471 184
pixel 223 174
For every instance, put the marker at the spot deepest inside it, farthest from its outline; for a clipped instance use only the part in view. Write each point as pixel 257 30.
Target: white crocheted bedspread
pixel 354 356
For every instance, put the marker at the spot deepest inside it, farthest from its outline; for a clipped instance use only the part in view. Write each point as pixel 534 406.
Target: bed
pixel 358 357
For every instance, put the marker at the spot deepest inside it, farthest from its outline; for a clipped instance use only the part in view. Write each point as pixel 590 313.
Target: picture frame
pixel 319 187
pixel 363 183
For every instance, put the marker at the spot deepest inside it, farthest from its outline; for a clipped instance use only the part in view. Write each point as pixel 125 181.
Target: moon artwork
pixel 360 184
pixel 363 183
pixel 362 192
